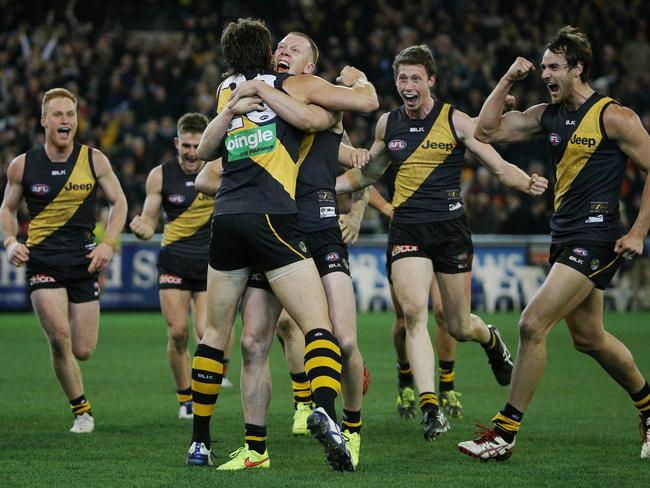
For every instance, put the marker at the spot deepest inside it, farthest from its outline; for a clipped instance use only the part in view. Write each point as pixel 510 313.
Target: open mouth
pixel 64 130
pixel 554 88
pixel 282 66
pixel 410 97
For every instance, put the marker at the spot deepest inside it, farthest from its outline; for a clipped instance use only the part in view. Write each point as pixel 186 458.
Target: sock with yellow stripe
pixel 352 421
pixel 207 373
pixel 428 401
pixel 507 422
pixel 323 368
pixel 301 388
pixel 80 406
pixel 184 396
pixel 492 341
pixel 255 437
pixel 641 400
pixel 446 375
pixel 404 374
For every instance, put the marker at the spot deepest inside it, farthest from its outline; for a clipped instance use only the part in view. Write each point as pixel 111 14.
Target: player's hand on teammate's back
pixel 537 185
pixel 519 69
pixel 359 157
pixel 349 75
pixel 18 253
pixel 100 257
pixel 244 105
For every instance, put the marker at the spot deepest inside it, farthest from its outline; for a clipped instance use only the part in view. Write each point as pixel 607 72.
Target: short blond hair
pixel 56 93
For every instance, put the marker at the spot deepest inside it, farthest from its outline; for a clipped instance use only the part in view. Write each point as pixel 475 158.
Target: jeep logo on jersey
pixel 251 142
pixel 396 145
pixel 77 187
pixel 444 146
pixel 583 141
pixel 176 198
pixel 40 189
pixel 554 138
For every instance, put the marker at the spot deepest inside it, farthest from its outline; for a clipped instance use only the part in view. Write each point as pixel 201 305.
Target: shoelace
pixel 236 453
pixel 485 434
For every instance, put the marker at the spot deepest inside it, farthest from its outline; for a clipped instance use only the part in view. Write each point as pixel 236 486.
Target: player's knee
pixel 348 346
pixel 460 333
pixel 178 337
pixel 587 344
pixel 83 353
pixel 440 319
pixel 60 342
pixel 285 328
pixel 414 314
pixel 530 330
pixel 252 348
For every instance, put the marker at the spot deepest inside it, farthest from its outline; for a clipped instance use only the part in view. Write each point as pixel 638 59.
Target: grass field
pixel 581 429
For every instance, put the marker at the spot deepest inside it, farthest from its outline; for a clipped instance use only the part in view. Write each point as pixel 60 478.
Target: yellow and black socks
pixel 404 374
pixel 255 437
pixel 207 373
pixel 641 401
pixel 352 421
pixel 446 375
pixel 184 396
pixel 491 343
pixel 507 422
pixel 428 401
pixel 80 406
pixel 301 388
pixel 323 368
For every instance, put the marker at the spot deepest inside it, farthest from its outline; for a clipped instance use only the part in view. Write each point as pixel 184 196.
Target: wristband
pixel 109 242
pixel 8 241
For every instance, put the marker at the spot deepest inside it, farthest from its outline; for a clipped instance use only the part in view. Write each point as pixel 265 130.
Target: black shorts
pixel 596 260
pixel 258 280
pixel 179 273
pixel 329 251
pixel 261 241
pixel 447 243
pixel 81 285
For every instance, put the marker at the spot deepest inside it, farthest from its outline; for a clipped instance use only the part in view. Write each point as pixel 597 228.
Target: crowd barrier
pixel 507 270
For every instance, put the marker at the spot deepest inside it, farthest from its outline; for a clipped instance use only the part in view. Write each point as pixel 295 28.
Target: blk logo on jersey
pixel 554 138
pixel 396 145
pixel 40 189
pixel 176 198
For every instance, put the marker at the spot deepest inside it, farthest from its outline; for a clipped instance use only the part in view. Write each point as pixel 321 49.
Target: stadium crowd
pixel 137 68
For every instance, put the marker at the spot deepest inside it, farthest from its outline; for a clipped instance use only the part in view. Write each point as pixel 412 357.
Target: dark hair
pixel 416 55
pixel 246 46
pixel 193 123
pixel 312 45
pixel 575 47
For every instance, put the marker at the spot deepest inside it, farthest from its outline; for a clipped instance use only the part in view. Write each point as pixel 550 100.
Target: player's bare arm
pixel 357 94
pixel 17 252
pixel 356 178
pixel 493 125
pixel 507 173
pixel 209 178
pixel 110 185
pixel 624 127
pixel 144 225
pixel 214 133
pixel 307 118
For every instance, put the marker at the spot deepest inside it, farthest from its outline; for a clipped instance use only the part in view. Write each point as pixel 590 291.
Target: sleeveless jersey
pixel 61 199
pixel 427 158
pixel 315 191
pixel 260 154
pixel 187 231
pixel 589 170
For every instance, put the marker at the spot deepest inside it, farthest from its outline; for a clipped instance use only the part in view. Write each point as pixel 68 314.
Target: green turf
pixel 581 430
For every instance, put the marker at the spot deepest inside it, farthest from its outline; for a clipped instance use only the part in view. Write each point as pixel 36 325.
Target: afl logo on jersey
pixel 40 189
pixel 176 198
pixel 396 145
pixel 554 138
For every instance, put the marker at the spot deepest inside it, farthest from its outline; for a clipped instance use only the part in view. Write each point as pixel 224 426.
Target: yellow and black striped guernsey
pixel 260 157
pixel 589 170
pixel 187 231
pixel 427 158
pixel 60 198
